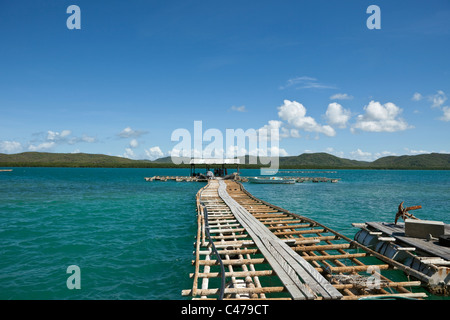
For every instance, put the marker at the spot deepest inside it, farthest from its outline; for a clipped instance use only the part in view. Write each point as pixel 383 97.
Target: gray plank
pixel 292 264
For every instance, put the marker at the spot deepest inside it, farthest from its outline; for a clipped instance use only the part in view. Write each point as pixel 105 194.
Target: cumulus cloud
pixel 134 143
pixel 438 99
pixel 361 155
pixel 337 116
pixel 265 132
pixel 85 138
pixel 446 116
pixel 295 114
pixel 417 97
pixel 57 136
pixel 130 133
pixel 129 153
pixel 42 146
pixel 10 147
pixel 341 96
pixel 413 151
pixel 380 118
pixel 54 138
pixel 155 153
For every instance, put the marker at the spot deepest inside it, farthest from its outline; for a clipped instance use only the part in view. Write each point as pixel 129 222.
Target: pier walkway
pixel 247 248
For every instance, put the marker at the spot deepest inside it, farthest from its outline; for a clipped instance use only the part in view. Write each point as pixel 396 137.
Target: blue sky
pixel 138 70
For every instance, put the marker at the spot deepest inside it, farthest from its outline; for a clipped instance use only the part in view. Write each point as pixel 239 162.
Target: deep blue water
pixel 133 239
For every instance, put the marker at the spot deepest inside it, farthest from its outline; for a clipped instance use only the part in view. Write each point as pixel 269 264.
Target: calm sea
pixel 133 239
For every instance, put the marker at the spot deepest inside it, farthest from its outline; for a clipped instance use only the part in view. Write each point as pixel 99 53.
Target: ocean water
pixel 133 239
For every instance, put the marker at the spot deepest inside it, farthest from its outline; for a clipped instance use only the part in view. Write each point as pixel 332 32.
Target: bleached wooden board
pixel 299 277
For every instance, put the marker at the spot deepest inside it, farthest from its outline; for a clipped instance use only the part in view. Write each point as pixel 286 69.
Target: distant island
pixel 432 161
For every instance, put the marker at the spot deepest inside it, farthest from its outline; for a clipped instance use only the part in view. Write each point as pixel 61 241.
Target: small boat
pixel 271 180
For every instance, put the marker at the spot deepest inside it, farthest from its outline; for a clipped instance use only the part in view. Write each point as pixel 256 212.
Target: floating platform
pixel 239 178
pixel 426 255
pixel 247 248
pixel 199 178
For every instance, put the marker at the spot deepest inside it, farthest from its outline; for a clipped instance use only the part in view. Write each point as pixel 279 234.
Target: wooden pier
pixel 247 248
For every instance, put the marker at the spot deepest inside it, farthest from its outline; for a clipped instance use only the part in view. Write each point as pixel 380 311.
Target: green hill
pixel 43 159
pixel 428 161
pixel 322 160
pixel 306 160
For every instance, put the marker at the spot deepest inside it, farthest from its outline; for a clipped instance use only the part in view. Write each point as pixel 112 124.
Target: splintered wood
pixel 270 253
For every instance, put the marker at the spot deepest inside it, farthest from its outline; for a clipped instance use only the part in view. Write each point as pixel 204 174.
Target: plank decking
pixel 249 249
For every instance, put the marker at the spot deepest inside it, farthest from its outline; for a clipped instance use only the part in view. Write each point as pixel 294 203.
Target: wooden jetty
pixel 6 170
pixel 247 248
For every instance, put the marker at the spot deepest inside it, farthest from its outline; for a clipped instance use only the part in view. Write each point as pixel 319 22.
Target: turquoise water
pixel 133 239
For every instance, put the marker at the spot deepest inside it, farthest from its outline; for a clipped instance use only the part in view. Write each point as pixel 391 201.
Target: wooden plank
pixel 283 254
pixel 284 271
pixel 306 271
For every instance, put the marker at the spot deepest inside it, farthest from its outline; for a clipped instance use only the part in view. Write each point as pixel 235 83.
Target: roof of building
pixel 214 161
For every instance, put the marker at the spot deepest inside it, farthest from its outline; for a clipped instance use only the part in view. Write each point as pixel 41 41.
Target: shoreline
pixel 165 166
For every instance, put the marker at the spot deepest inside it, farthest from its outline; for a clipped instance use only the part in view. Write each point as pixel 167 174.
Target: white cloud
pixel 129 153
pixel 155 153
pixel 341 96
pixel 438 99
pixel 384 154
pixel 361 155
pixel 331 150
pixel 294 133
pixel 337 116
pixel 265 132
pixel 305 82
pixel 380 118
pixel 412 151
pixel 64 137
pixel 417 97
pixel 86 139
pixel 10 147
pixel 239 109
pixel 446 116
pixel 42 147
pixel 295 114
pixel 56 136
pixel 134 143
pixel 130 133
